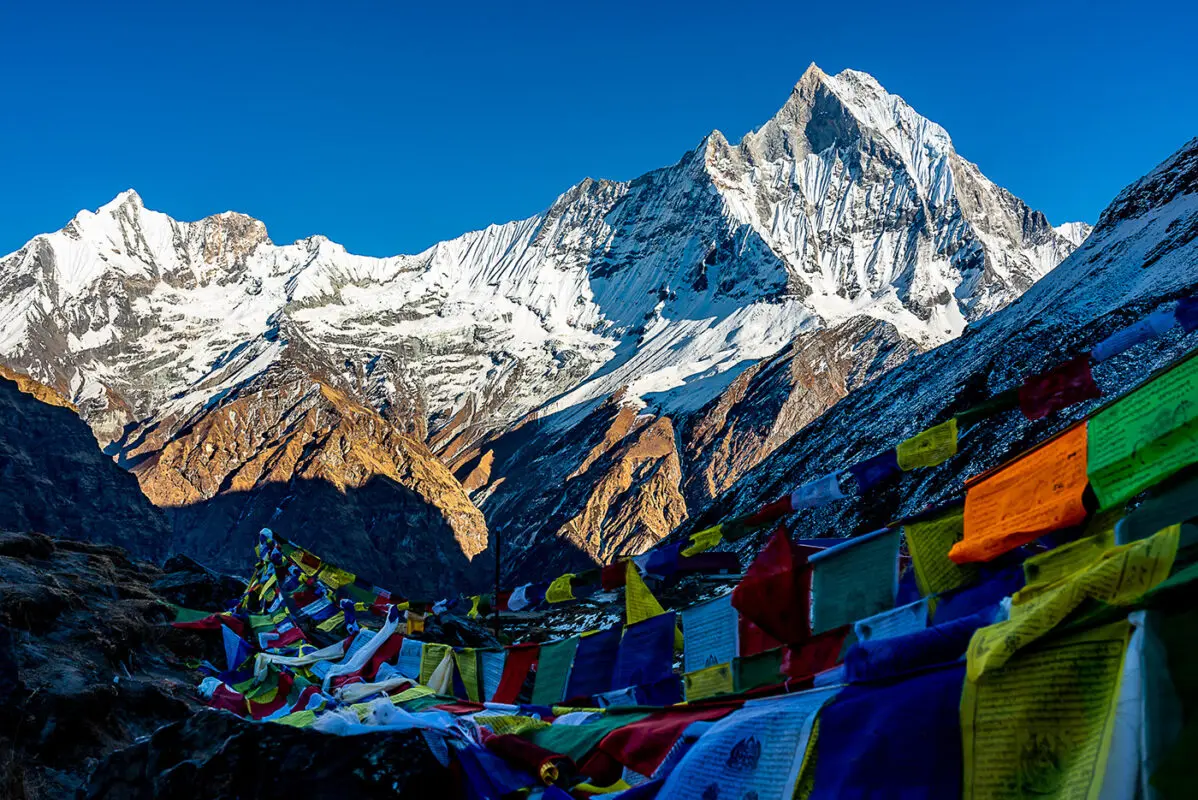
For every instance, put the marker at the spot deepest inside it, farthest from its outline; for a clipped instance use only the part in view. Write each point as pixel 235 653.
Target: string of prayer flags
pixel 1063 386
pixel 491 668
pixel 774 592
pixel 929 542
pixel 1119 577
pixel 703 540
pixel 710 634
pixel 708 682
pixel 875 471
pixel 646 653
pixel 520 659
pixel 1040 492
pixel 553 671
pixel 1146 436
pixel 854 580
pixel 594 663
pixel 900 621
pixel 818 492
pixel 560 590
pixel 1155 324
pixel 928 448
pixel 1041 724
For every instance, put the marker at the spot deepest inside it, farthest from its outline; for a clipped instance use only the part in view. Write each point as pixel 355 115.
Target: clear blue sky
pixel 390 125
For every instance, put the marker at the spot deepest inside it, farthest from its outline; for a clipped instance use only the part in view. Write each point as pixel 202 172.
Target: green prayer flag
pixel 576 741
pixel 553 671
pixel 762 669
pixel 1146 436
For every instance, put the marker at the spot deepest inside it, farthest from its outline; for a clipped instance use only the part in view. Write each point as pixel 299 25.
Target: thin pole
pixel 495 597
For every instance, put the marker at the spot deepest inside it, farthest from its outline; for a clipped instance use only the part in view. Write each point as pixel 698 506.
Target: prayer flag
pixel 710 633
pixel 1145 436
pixel 612 576
pixel 762 669
pixel 1041 724
pixel 755 752
pixel 929 542
pixel 766 515
pixel 894 739
pixel 467 660
pixel 875 471
pixel 520 659
pixel 553 671
pixel 708 682
pixel 896 622
pixel 752 639
pixel 491 667
pixel 1119 577
pixel 929 448
pixel 1039 493
pixel 335 576
pixel 1059 388
pixel 411 653
pixel 431 658
pixel 819 653
pixel 703 540
pixel 646 652
pixel 818 492
pixel 854 580
pixel 774 592
pixel 1155 324
pixel 560 590
pixel 594 663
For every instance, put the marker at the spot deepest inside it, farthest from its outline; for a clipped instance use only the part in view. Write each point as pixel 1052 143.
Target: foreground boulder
pixel 214 754
pixel 88 663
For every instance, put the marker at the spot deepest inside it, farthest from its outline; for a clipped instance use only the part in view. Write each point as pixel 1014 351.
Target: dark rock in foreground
pixel 214 754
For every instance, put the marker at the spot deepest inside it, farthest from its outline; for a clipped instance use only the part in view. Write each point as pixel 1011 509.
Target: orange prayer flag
pixel 1040 492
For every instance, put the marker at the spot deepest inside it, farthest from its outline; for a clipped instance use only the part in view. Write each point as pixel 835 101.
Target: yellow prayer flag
pixel 560 590
pixel 467 661
pixel 928 542
pixel 640 604
pixel 517 724
pixel 708 682
pixel 1118 578
pixel 929 448
pixel 332 622
pixel 704 540
pixel 1040 725
pixel 474 601
pixel 431 656
pixel 415 623
pixel 335 576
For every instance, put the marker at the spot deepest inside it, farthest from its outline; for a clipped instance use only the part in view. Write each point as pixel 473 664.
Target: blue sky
pixel 388 126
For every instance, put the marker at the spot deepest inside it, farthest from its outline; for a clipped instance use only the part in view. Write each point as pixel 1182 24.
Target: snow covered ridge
pixel 847 202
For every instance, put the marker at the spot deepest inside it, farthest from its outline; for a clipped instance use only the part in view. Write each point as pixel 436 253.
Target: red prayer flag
pixel 386 652
pixel 776 591
pixel 817 654
pixel 1070 383
pixel 612 576
pixel 643 745
pixel 754 640
pixel 520 659
pixel 770 513
pixel 265 709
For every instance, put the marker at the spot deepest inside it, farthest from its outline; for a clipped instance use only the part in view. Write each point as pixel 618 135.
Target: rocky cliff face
pixel 1143 252
pixel 55 480
pixel 684 323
